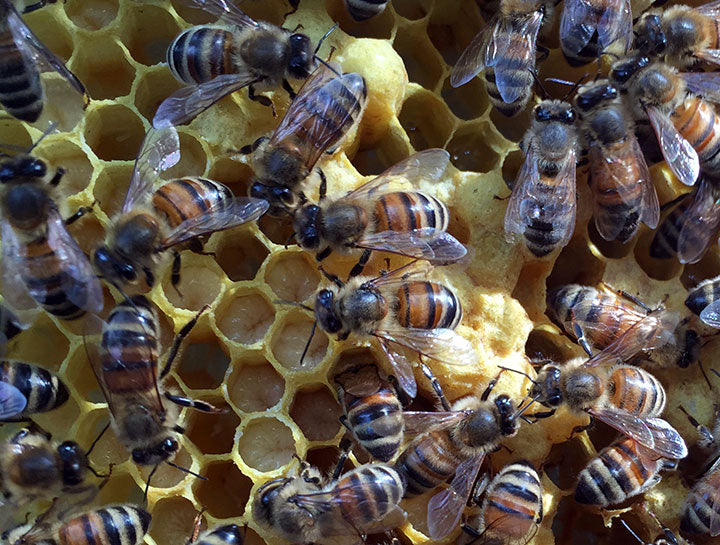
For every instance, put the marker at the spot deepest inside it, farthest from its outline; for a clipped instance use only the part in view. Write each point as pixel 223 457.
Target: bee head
pixel 506 411
pixel 590 97
pixel 277 196
pixel 26 206
pixel 301 55
pixel 154 455
pixel 625 69
pixel 267 498
pixel 112 268
pixel 547 386
pixel 305 227
pixel 651 38
pixel 22 166
pixel 325 312
pixel 554 110
pixel 73 462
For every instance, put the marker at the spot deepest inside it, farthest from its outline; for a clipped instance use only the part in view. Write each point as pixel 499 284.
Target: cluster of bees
pixel 400 309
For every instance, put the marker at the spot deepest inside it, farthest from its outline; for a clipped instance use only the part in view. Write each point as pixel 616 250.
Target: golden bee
pixel 374 217
pixel 362 10
pixel 27 389
pixel 542 206
pixel 153 222
pixel 704 301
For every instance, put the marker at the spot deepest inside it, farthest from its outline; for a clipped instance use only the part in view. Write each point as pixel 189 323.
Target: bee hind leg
pixel 79 213
pixel 196 404
pixel 288 89
pixel 178 341
pixel 360 265
pixel 436 386
pixel 262 99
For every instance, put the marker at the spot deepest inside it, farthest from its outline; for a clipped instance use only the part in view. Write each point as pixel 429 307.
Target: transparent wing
pixel 224 9
pixel 446 507
pixel 705 84
pixel 417 422
pixel 472 60
pixel 524 188
pixel 701 222
pixel 650 214
pixel 668 442
pixel 12 401
pixel 159 151
pixel 679 154
pixel 579 20
pixel 396 277
pixel 711 9
pixel 709 55
pixel 224 215
pixel 402 369
pixel 186 103
pixel 615 24
pixel 626 423
pixel 444 345
pixel 514 54
pixel 428 243
pixel 711 314
pixel 13 287
pixel 597 329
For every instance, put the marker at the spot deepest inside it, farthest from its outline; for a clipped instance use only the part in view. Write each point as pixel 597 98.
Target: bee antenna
pixel 631 531
pixel 185 470
pixel 328 66
pixel 521 410
pixel 321 40
pixel 307 345
pixel 147 484
pixel 523 373
pixel 546 95
pixel 96 440
pixel 51 128
pixel 294 304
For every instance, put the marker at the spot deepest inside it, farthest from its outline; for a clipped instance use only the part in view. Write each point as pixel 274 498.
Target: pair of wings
pixel 530 191
pixel 581 19
pixel 161 150
pixel 34 53
pixel 705 492
pixel 507 45
pixel 12 401
pixel 700 222
pixel 711 10
pixel 609 165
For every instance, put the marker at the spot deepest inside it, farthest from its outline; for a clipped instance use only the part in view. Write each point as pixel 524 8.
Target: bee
pixel 701 222
pixel 152 222
pixel 217 59
pixel 362 10
pixel 397 308
pixel 305 508
pixel 505 49
pixel 41 263
pixel 372 217
pixel 24 58
pixel 373 412
pixel 229 534
pixel 664 244
pixel 542 205
pixel 512 509
pixel 27 389
pixel 589 27
pixel 126 370
pixel 704 301
pixel 620 471
pixel 121 524
pixel 327 105
pixel 623 193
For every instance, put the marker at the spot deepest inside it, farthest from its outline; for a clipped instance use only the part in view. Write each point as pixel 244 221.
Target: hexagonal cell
pixel 512 128
pixel 379 27
pixel 240 254
pixel 470 149
pixel 234 174
pixel 114 132
pixel 93 14
pixel 173 520
pixel 167 476
pixel 212 433
pixel 42 344
pixel 245 317
pixel 658 269
pixel 412 9
pixel 323 458
pixel 427 120
pixel 290 339
pixel 14 131
pixel 200 282
pixel 191 15
pixel 458 227
pixel 120 488
pixel 77 374
pixel 64 105
pixel 266 444
pixel 151 88
pixel 255 385
pixel 252 538
pixel 203 366
pixel 278 230
pixel 193 159
pixel 108 450
pixel 391 149
pixel 422 62
pixel 316 412
pixel 444 38
pixel 111 187
pixel 511 166
pixel 147 32
pixel 52 35
pixel 104 70
pixel 225 492
pixel 292 276
pixel 467 102
pixel 60 152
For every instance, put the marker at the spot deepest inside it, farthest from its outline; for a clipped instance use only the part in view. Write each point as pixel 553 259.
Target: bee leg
pixel 542 53
pixel 32 7
pixel 178 341
pixel 360 265
pixel 324 254
pixel 59 173
pixel 332 277
pixel 175 273
pixel 345 446
pixel 196 527
pixel 323 185
pixel 79 213
pixel 491 386
pixel 580 429
pixel 436 386
pixel 147 484
pixel 582 340
pixel 539 416
pixel 294 5
pixel 262 99
pixel 472 532
pixel 706 435
pixel 19 436
pixel 196 404
pixel 288 89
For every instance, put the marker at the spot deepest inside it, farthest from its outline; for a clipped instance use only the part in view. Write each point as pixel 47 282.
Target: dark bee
pixel 26 389
pixel 704 301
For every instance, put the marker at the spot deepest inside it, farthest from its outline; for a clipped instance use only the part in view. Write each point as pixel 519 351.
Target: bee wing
pixel 440 344
pixel 700 224
pixel 12 401
pixel 159 151
pixel 708 55
pixel 668 442
pixel 472 60
pixel 227 11
pixel 650 213
pixel 705 490
pixel 13 287
pixel 679 154
pixel 711 314
pixel 402 369
pixel 626 423
pixel 428 243
pixel 513 50
pixel 704 84
pixel 615 24
pixel 579 19
pixel 417 422
pixel 516 214
pixel 592 328
pixel 711 9
pixel 446 507
pixel 224 215
pixel 188 102
pixel 396 277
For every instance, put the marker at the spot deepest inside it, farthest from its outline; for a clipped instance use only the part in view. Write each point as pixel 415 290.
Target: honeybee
pixel 41 263
pixel 542 205
pixel 512 509
pixel 362 10
pixel 237 51
pixel 27 389
pixel 306 508
pixel 228 534
pixel 700 222
pixel 152 222
pixel 372 217
pixel 121 524
pixel 397 308
pixel 664 244
pixel 126 370
pixel 327 105
pixel 704 301
pixel 623 192
pixel 589 27
pixel 24 58
pixel 505 49
pixel 373 412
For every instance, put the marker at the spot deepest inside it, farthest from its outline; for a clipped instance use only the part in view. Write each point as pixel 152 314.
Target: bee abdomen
pixel 377 422
pixel 43 390
pixel 407 211
pixel 361 10
pixel 225 535
pixel 700 507
pixel 523 80
pixel 337 104
pixel 703 295
pixel 189 197
pixel 428 305
pixel 427 462
pixel 366 490
pixel 664 244
pixel 200 54
pixel 513 503
pixel 698 122
pixel 114 525
pixel 21 90
pixel 637 391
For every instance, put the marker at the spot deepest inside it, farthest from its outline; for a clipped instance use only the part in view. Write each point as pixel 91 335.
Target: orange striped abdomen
pixel 701 505
pixel 376 420
pixel 368 494
pixel 201 53
pixel 428 461
pixel 21 91
pixel 114 525
pixel 696 120
pixel 614 319
pixel 42 389
pixel 636 391
pixel 189 197
pixel 407 211
pixel 428 305
pixel 513 502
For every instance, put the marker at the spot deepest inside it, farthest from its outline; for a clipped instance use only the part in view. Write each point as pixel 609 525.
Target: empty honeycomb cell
pixel 151 88
pixel 240 254
pixel 512 128
pixel 203 366
pixel 64 106
pixel 44 344
pixel 511 166
pixel 111 187
pixel 193 159
pixel 316 412
pixel 60 152
pixel 323 458
pixel 658 269
pixel 167 476
pixel 255 385
pixel 147 32
pixel 234 174
pixel 14 131
pixel 423 64
pixel 277 230
pixel 114 132
pixel 291 337
pixel 225 492
pixel 200 282
pixel 121 488
pixel 576 264
pixel 266 444
pixel 108 450
pixel 379 27
pixel 467 102
pixel 52 35
pixel 443 38
pixel 391 149
pixel 427 120
pixel 252 538
pixel 173 520
pixel 83 381
pixel 91 14
pixel 245 317
pixel 104 70
pixel 212 433
pixel 293 276
pixel 471 148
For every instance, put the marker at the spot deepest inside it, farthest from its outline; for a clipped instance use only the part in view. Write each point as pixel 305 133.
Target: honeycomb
pixel 244 353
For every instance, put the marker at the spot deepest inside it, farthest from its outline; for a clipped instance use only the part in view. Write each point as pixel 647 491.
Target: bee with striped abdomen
pixel 704 301
pixel 664 244
pixel 27 389
pixel 228 534
pixel 542 206
pixel 362 10
pixel 24 58
pixel 623 192
pixel 374 217
pixel 327 106
pixel 505 50
pixel 154 221
pixel 397 308
pixel 511 510
pixel 701 221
